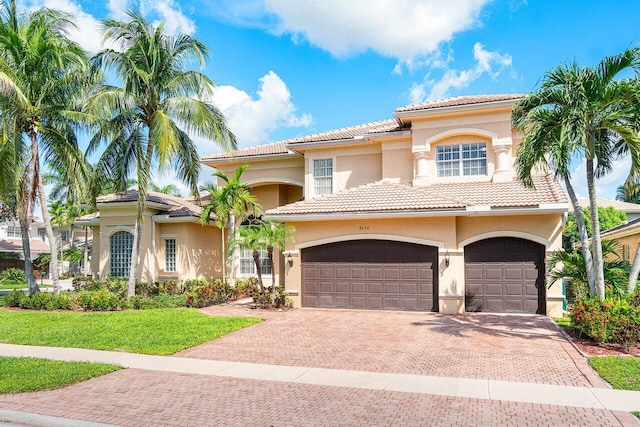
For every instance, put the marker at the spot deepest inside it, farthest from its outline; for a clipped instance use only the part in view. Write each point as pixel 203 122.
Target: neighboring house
pixel 631 209
pixel 628 237
pixel 11 238
pixel 418 212
pixel 173 245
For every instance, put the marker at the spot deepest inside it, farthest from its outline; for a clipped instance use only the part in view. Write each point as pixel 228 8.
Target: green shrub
pixel 101 300
pixel 245 288
pixel 14 275
pixel 280 299
pixel 608 321
pixel 216 292
pixel 170 287
pixel 13 298
pixel 191 284
pixel 79 283
pixel 159 301
pixel 146 290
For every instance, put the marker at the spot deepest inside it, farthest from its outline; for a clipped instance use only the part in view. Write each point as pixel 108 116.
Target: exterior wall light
pixel 447 259
pixel 290 260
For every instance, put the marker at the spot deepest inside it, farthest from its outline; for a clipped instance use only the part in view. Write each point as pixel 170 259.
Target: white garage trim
pixel 391 237
pixel 518 234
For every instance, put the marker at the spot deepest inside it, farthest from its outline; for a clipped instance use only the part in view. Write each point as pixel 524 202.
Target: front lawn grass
pixel 10 284
pixel 159 332
pixel 563 322
pixel 21 374
pixel 622 373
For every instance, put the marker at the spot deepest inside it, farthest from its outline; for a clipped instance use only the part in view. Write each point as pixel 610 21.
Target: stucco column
pixel 503 171
pixel 421 165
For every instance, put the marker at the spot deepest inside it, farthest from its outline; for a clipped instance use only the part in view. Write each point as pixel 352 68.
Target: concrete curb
pixel 15 418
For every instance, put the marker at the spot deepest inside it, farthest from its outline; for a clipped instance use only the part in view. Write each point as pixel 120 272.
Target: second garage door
pixel 370 274
pixel 505 275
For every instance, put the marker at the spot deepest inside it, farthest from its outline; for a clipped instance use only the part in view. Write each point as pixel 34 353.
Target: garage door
pixel 370 274
pixel 505 275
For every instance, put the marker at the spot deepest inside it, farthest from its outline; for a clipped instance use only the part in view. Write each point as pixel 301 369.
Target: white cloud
pixel 175 21
pixel 487 62
pixel 87 33
pixel 252 120
pixel 607 185
pixel 118 8
pixel 403 29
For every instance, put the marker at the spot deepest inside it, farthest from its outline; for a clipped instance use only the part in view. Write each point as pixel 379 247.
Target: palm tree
pixel 545 148
pixel 145 122
pixel 250 237
pixel 169 189
pixel 629 191
pixel 42 77
pixel 15 201
pixel 274 235
pixel 597 113
pixel 231 201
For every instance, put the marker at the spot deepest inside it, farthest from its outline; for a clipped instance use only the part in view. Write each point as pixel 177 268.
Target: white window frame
pixel 170 252
pixel 42 233
pixel 456 158
pixel 309 179
pixel 329 176
pixel 14 232
pixel 247 267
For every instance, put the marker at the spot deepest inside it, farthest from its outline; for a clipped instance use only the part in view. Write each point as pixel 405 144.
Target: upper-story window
pixel 462 159
pixel 42 233
pixel 13 231
pixel 322 176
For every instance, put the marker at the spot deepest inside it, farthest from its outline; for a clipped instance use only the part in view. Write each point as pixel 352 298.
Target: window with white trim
pixel 462 159
pixel 42 233
pixel 121 246
pixel 322 176
pixel 248 266
pixel 170 255
pixel 14 231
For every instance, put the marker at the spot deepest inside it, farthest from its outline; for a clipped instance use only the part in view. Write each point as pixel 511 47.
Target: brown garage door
pixel 370 274
pixel 505 275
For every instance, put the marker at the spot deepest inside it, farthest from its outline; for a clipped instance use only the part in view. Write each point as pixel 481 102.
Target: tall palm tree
pixel 228 202
pixel 597 112
pixel 169 189
pixel 274 235
pixel 145 122
pixel 545 148
pixel 250 237
pixel 42 77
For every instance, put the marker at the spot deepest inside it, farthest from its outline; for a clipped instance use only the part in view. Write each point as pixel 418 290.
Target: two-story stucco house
pixel 418 212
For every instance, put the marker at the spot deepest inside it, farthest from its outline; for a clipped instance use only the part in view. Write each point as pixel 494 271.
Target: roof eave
pixel 400 115
pixel 559 208
pixel 240 159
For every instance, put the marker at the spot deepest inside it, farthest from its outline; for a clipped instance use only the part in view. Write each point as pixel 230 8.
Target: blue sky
pixel 290 67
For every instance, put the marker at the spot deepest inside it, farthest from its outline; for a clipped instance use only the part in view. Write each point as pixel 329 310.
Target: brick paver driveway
pixel 509 348
pixel 514 348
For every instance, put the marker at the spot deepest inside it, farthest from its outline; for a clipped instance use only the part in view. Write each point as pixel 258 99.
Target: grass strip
pixel 623 373
pixel 158 332
pixel 22 374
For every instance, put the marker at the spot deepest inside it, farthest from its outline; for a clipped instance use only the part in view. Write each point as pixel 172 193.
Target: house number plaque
pixel 364 227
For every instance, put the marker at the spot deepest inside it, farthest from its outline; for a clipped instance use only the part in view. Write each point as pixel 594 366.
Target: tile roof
pixel 351 132
pixel 36 245
pixel 459 101
pixel 177 206
pixel 384 196
pixel 616 204
pixel 88 217
pixel 621 227
pixel 257 150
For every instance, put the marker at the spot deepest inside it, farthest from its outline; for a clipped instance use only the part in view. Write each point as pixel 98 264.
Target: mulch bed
pixel 591 348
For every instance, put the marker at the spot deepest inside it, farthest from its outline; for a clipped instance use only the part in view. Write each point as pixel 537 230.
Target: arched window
pixel 121 246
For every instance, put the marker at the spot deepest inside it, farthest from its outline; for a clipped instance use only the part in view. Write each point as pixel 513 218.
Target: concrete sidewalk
pixel 579 397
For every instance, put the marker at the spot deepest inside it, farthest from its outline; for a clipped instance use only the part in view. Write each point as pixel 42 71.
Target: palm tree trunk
pixel 584 236
pixel 256 260
pixel 598 265
pixel 26 252
pixel 635 270
pixel 53 264
pixel 135 254
pixel 273 275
